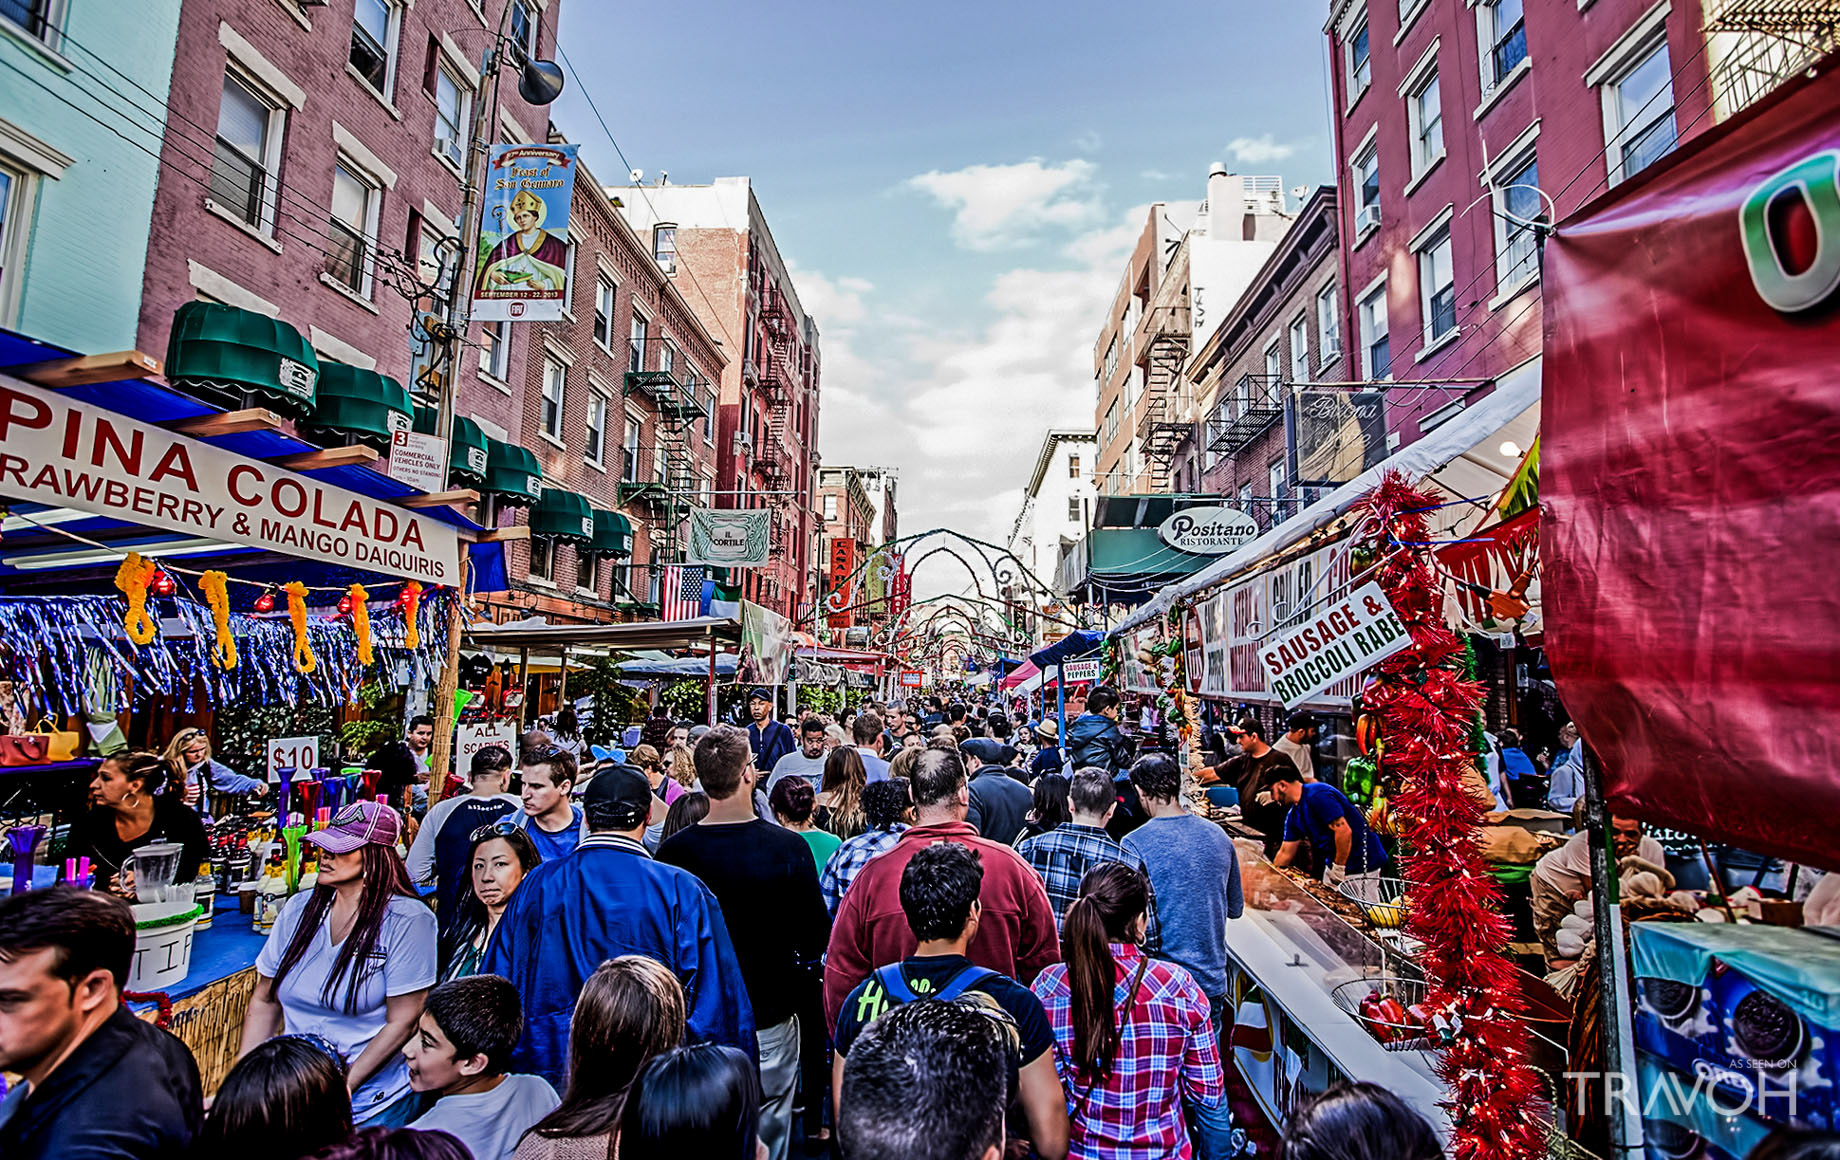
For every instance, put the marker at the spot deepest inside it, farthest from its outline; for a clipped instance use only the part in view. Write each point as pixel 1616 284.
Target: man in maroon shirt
pixel 1016 933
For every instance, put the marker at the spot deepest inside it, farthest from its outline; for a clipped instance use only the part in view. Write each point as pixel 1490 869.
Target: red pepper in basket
pixel 1392 1011
pixel 1375 1020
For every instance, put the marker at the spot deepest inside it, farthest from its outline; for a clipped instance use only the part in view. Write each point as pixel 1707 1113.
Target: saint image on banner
pixel 523 252
pixel 529 256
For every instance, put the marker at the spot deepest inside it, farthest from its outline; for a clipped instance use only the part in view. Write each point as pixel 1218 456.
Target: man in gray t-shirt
pixel 1194 873
pixel 807 761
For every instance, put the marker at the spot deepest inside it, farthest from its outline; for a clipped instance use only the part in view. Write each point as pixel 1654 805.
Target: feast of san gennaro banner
pixel 524 233
pixel 730 539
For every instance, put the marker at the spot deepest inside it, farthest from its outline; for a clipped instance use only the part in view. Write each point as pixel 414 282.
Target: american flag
pixel 683 592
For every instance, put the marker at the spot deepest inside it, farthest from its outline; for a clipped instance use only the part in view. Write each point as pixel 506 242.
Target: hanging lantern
pixel 345 605
pixel 266 601
pixel 164 585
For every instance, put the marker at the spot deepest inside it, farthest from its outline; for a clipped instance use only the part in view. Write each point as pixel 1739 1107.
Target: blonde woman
pixel 190 752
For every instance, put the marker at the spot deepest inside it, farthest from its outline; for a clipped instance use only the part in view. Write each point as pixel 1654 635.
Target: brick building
pixel 1118 373
pixel 312 167
pixel 714 240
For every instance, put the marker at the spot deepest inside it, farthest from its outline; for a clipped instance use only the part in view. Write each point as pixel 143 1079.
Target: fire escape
pixel 784 363
pixel 1772 41
pixel 1162 429
pixel 674 490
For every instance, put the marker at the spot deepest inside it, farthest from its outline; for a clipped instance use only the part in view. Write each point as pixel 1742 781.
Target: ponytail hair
pixel 1112 899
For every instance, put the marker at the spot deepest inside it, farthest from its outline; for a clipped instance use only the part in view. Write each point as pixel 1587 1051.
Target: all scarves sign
pixel 1341 640
pixel 524 234
pixel 59 452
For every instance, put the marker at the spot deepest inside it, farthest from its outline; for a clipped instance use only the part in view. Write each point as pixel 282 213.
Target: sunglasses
pixel 502 828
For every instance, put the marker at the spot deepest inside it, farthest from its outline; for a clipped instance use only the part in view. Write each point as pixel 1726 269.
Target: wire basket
pixel 1393 1036
pixel 1382 899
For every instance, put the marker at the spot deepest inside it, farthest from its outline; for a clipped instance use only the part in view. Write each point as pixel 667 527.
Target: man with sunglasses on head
pixel 439 854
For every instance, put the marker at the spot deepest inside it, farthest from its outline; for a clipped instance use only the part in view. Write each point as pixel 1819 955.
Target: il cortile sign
pixel 1341 639
pixel 56 451
pixel 1207 531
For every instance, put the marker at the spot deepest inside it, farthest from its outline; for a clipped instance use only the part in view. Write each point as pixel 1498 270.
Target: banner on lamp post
pixel 524 234
pixel 1343 639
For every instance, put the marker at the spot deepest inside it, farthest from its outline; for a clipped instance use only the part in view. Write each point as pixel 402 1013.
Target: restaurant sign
pixel 1343 639
pixel 56 451
pixel 1207 531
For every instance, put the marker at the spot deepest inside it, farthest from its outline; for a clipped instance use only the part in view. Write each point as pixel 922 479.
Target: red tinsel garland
pixel 1426 707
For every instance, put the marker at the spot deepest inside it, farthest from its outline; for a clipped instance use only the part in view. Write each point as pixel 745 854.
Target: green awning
pixel 512 473
pixel 466 463
pixel 241 352
pixel 1126 564
pixel 612 534
pixel 358 406
pixel 562 515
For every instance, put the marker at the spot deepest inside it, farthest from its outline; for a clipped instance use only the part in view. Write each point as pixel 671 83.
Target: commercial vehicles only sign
pixel 63 453
pixel 1339 639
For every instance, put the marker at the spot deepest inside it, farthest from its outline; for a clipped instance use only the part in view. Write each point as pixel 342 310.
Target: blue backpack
pixel 894 982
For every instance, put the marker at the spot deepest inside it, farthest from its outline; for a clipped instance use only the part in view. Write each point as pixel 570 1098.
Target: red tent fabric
pixel 1692 479
pixel 1019 675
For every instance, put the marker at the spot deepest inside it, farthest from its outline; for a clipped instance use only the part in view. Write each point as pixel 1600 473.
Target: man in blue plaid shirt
pixel 888 807
pixel 1065 855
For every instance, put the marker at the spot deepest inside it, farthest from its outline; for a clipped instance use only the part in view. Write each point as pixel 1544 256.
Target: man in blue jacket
pixel 770 739
pixel 606 899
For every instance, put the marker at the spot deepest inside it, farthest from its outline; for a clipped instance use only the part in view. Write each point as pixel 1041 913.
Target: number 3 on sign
pixel 292 753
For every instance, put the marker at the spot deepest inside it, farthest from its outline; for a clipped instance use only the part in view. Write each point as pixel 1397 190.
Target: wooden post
pixel 441 753
pixel 523 687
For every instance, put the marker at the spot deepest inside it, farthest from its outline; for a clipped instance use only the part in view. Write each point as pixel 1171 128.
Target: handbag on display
pixel 23 748
pixel 60 744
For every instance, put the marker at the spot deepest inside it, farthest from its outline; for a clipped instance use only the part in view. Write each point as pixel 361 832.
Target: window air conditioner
pixel 1368 218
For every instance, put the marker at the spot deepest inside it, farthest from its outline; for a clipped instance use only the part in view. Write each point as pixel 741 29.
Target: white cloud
pixel 1259 150
pixel 997 207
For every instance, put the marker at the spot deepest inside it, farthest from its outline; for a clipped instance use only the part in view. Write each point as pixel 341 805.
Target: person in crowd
pixel 688 810
pixel 565 732
pixel 1094 738
pixel 888 808
pixel 871 739
pixel 1133 1039
pixel 1064 856
pixel 1562 876
pixel 631 1010
pixel 834 735
pixel 1520 777
pixel 1047 757
pixel 1341 844
pixel 1566 783
pixel 499 855
pixel 95 1080
pixel 1358 1121
pixel 1194 874
pixel 934 716
pixel 794 807
pixel 1250 772
pixel 461 1054
pixel 650 762
pixel 939 898
pixel 133 804
pixel 807 761
pixel 999 803
pixel 766 879
pixel 917 1086
pixel 839 803
pixel 1050 809
pixel 395 1144
pixel 607 898
pixel 189 751
pixel 556 825
pixel 913 742
pixel 283 1100
pixel 351 961
pixel 420 739
pixel 441 851
pixel 1015 933
pixel 1298 743
pixel 770 739
pixel 400 777
pixel 702 1101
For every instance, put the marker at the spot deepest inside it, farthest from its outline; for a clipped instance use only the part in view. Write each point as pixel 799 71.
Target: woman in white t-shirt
pixel 351 961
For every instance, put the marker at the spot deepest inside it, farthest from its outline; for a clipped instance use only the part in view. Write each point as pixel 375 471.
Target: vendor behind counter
pixel 136 799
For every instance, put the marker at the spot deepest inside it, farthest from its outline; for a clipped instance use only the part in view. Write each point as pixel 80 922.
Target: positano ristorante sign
pixel 1338 639
pixel 63 453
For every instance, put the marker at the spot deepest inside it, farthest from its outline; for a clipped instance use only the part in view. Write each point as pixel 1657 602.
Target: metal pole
pixel 1621 1099
pixel 1060 707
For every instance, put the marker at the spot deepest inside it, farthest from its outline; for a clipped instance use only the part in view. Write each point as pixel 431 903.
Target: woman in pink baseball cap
pixel 351 960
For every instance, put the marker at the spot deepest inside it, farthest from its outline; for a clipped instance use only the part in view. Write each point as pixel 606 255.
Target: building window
pixel 1245 498
pixel 246 159
pixel 1639 114
pixel 1242 395
pixel 1520 213
pixel 1073 467
pixel 830 508
pixel 39 18
pixel 1111 421
pixel 629 450
pixel 603 314
pixel 595 440
pixel 635 359
pixel 667 356
pixel 553 374
pixel 587 573
pixel 1360 61
pixel 1376 353
pixel 1501 28
pixel 1300 349
pixel 375 25
pixel 1328 325
pixel 13 186
pixel 664 247
pixel 453 111
pixel 569 249
pixel 1111 358
pixel 354 227
pixel 1425 111
pixel 1274 365
pixel 1437 287
pixel 495 349
pixel 1279 484
pixel 542 559
pixel 1366 174
pixel 709 410
pixel 1073 508
pixel 523 31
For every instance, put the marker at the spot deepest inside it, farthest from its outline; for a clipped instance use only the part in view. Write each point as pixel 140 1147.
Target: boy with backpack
pixel 939 896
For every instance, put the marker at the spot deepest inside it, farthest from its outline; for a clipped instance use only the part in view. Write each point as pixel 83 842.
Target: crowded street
pixel 1225 581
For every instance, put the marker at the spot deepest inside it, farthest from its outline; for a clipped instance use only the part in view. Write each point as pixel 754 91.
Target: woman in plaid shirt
pixel 1133 1037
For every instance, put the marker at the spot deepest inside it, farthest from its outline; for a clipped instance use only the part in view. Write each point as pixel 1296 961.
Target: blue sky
pixel 956 186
